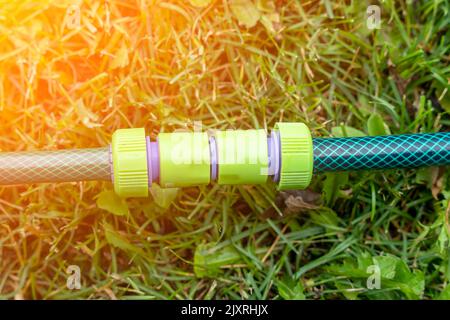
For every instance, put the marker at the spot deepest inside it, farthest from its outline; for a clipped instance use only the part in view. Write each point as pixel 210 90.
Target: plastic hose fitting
pixel 182 159
pixel 297 157
pixel 129 154
pixel 242 156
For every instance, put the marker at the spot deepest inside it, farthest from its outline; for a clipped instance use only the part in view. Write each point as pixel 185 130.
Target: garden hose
pixel 288 155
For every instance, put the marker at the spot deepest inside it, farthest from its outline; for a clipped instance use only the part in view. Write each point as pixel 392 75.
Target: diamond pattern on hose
pixel 54 166
pixel 381 152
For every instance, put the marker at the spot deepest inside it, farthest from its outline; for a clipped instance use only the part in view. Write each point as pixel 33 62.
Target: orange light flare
pixel 69 69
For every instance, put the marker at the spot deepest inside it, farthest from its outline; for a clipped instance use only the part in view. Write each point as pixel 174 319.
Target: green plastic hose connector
pixel 184 159
pixel 296 155
pixel 242 156
pixel 129 156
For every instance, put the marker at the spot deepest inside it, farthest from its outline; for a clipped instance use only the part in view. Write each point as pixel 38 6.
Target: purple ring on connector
pixel 274 155
pixel 269 155
pixel 149 161
pixel 213 155
pixel 155 160
pixel 152 161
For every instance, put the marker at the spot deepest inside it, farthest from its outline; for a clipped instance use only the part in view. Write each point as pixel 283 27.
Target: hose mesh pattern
pixel 54 166
pixel 382 152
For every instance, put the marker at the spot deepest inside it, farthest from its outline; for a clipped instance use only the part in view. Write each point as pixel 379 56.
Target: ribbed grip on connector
pixel 296 155
pixel 129 150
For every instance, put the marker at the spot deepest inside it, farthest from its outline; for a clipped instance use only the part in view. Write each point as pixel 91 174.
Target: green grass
pixel 319 64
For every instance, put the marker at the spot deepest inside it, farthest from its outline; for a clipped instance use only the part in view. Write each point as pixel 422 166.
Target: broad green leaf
pixel 326 218
pixel 267 6
pixel 364 260
pixel 245 12
pixel 332 186
pixel 111 202
pixel 200 3
pixel 346 131
pixel 445 294
pixel 412 284
pixel 443 241
pixel 163 196
pixel 208 260
pixel 290 289
pixel 387 265
pixel 423 175
pixel 268 20
pixel 268 14
pixel 346 290
pixel 376 125
pixel 417 283
pixel 446 194
pixel 394 272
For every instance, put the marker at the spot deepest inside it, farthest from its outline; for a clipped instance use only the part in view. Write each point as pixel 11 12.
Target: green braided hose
pixel 55 166
pixel 382 152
